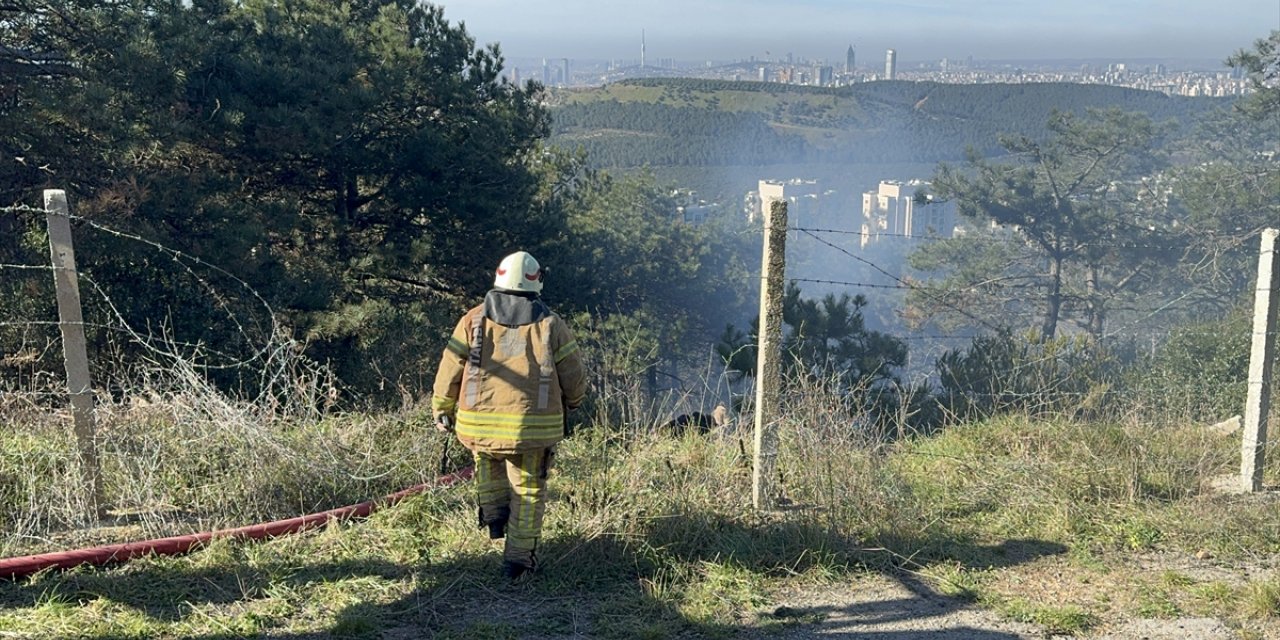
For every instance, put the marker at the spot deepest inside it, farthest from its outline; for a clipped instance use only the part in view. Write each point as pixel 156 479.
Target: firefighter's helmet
pixel 519 272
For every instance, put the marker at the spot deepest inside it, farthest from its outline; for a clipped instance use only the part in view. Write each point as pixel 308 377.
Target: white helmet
pixel 519 272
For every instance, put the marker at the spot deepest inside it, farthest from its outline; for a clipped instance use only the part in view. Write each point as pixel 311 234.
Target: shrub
pixel 1200 372
pixel 1004 372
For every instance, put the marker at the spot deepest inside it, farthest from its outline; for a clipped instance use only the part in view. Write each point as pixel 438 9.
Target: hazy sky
pixel 917 29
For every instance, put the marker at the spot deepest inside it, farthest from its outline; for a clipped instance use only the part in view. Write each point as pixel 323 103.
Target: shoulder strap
pixel 546 364
pixel 473 359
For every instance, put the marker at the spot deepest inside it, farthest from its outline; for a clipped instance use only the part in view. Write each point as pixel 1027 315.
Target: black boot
pixel 514 569
pixel 497 530
pixel 496 520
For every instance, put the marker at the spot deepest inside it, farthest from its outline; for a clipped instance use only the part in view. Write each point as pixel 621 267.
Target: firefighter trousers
pixel 512 488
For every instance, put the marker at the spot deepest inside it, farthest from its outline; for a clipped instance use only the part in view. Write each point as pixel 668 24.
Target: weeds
pixel 647 535
pixel 1056 619
pixel 178 457
pixel 1262 599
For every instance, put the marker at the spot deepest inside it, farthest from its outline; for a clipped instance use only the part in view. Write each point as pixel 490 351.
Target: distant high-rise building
pixel 848 60
pixel 890 64
pixel 564 71
pixel 546 73
pixel 822 75
pixel 763 74
pixel 515 76
pixel 642 48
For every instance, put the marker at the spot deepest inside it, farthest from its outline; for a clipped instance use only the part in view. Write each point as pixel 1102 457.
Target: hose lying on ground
pixel 118 553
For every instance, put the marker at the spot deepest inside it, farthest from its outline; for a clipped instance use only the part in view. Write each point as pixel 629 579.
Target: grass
pixel 1056 619
pixel 646 536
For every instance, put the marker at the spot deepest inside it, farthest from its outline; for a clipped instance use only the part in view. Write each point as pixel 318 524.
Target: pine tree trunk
pixel 1097 314
pixel 1053 306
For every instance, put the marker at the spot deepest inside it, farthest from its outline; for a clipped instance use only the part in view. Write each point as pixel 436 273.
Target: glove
pixel 444 423
pixel 568 426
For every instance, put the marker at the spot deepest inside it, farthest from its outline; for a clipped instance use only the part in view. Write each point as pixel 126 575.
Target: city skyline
pixel 822 29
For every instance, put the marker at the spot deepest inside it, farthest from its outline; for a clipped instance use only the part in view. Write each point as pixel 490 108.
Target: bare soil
pixel 875 607
pixel 880 607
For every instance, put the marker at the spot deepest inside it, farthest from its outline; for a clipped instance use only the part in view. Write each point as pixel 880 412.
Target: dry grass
pixel 647 534
pixel 176 456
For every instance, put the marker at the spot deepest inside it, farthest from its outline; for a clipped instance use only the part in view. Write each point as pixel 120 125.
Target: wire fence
pixel 900 282
pixel 177 452
pixel 171 389
pixel 264 343
pixel 1040 376
pixel 269 343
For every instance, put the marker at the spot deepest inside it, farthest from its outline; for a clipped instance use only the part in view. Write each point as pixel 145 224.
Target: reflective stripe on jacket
pixel 515 399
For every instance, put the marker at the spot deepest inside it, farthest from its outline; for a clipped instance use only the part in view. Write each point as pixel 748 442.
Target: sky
pixel 919 30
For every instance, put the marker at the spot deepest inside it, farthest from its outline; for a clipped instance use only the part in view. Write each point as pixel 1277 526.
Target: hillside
pixel 688 122
pixel 1003 529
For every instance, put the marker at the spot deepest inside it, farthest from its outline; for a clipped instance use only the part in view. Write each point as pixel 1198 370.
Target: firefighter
pixel 510 372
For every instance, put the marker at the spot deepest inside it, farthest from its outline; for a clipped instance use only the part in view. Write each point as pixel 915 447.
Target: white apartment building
pixel 803 197
pixel 892 210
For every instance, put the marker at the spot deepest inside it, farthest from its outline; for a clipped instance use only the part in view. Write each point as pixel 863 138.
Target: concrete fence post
pixel 1258 402
pixel 75 354
pixel 768 365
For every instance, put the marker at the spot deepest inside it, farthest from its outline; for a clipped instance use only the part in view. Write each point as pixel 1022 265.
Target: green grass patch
pixel 1261 599
pixel 1056 619
pixel 1212 598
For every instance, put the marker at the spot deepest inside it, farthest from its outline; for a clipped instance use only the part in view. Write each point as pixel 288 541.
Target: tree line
pixel 699 122
pixel 362 166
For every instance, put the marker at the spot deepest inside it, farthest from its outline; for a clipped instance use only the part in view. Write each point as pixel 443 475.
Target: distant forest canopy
pixel 692 122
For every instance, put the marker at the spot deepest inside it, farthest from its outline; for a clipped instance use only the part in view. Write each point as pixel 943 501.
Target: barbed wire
pixel 905 283
pixel 178 256
pixel 865 234
pixel 1151 311
pixel 27 267
pixel 1016 369
pixel 39 323
pixel 260 351
pixel 1116 334
pixel 147 343
pixel 21 208
pixel 865 285
pixel 1231 238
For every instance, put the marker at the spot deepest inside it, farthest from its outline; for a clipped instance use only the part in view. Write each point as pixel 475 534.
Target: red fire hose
pixel 116 553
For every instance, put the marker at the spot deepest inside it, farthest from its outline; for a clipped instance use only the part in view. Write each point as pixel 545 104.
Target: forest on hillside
pixel 705 123
pixel 340 179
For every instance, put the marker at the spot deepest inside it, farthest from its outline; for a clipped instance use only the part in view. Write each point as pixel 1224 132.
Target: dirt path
pixel 876 607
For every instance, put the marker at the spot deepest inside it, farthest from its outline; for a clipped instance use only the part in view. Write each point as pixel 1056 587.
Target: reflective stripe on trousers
pixel 520 481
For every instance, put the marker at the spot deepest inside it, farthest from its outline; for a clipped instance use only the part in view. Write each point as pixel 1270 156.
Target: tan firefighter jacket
pixel 509 372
